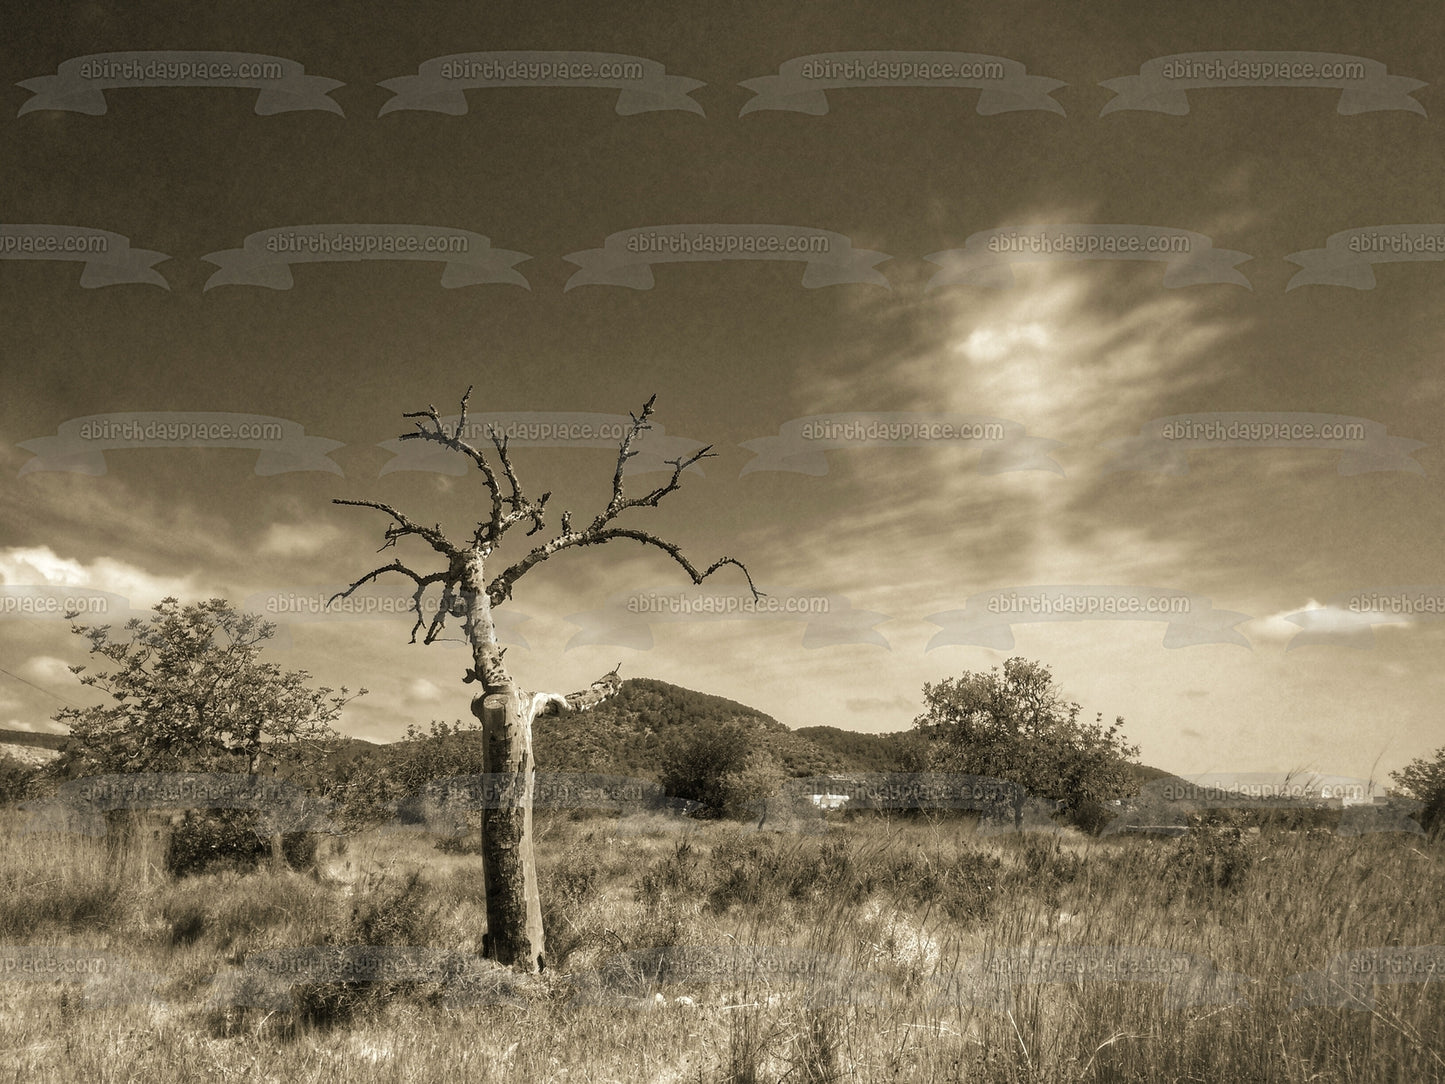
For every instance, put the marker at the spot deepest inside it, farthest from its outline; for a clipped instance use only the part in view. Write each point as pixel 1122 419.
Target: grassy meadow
pixel 898 905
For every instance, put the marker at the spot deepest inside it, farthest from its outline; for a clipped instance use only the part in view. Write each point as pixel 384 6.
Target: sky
pixel 1074 357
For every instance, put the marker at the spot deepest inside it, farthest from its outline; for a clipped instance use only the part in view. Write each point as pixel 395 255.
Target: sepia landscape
pixel 722 544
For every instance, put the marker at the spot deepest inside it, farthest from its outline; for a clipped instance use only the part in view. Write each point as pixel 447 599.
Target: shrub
pixel 572 883
pixel 1090 816
pixel 1424 781
pixel 749 870
pixel 213 840
pixel 15 776
pixel 392 912
pixel 1209 861
pixel 715 766
pixel 971 885
pixel 743 792
pixel 675 875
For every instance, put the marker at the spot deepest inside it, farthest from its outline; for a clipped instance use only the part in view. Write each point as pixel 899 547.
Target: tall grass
pixel 891 908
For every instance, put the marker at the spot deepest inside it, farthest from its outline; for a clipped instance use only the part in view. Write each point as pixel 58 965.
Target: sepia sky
pixel 1080 352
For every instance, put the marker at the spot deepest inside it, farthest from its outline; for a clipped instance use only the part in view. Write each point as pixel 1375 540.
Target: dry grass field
pixel 800 958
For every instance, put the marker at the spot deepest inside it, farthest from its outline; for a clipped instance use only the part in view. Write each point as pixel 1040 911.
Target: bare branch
pixel 602 689
pixel 438 434
pixel 405 527
pixel 422 583
pixel 598 530
pixel 625 452
pixel 675 552
pixel 674 483
pixel 501 587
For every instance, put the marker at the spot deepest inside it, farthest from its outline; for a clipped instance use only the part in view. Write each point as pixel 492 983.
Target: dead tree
pixel 514 914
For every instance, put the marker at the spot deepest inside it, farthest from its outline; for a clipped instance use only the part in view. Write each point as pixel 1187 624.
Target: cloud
pixel 296 540
pixel 42 566
pixel 1324 619
pixel 423 691
pixel 46 668
pixel 1275 627
pixel 877 705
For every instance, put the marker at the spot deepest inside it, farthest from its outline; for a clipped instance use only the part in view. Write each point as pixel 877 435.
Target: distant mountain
pixel 1145 774
pixel 857 752
pixel 628 734
pixel 30 748
pixel 32 738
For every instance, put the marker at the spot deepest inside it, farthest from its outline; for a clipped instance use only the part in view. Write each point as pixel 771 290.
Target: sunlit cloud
pixel 41 565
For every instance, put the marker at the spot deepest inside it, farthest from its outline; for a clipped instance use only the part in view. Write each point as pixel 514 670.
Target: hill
pixel 32 738
pixel 627 734
pixel 29 748
pixel 857 752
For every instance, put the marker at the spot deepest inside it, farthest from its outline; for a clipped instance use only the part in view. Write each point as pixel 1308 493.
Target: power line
pixel 47 692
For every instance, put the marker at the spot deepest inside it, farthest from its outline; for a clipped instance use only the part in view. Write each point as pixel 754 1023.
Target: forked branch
pixel 508 509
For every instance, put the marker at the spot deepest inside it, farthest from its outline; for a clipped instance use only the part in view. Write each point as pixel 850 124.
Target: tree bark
pixel 514 907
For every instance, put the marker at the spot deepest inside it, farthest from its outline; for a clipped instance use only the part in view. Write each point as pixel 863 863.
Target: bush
pixel 715 766
pixel 1209 861
pixel 676 875
pixel 1424 781
pixel 15 778
pixel 572 883
pixel 749 870
pixel 743 792
pixel 1090 816
pixel 213 840
pixel 971 885
pixel 392 912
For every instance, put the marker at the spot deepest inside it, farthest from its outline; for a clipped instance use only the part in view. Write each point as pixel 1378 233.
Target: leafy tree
pixel 370 787
pixel 1015 725
pixel 745 790
pixel 1424 780
pixel 697 765
pixel 191 694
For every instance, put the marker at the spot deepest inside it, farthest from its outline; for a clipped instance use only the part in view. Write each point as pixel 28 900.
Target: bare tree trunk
pixel 278 850
pixel 514 906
